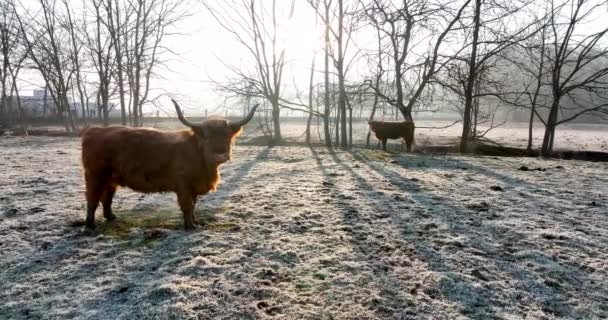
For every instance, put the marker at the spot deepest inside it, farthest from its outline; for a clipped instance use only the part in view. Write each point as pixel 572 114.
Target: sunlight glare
pixel 303 36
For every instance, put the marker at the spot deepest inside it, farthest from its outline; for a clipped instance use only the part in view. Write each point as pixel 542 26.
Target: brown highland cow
pixel 149 160
pixel 393 130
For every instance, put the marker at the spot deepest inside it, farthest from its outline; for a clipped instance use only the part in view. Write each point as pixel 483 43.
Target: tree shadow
pixel 369 250
pixel 137 266
pixel 427 252
pixel 445 228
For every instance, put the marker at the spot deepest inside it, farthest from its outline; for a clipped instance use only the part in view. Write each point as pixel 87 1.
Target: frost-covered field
pixel 299 233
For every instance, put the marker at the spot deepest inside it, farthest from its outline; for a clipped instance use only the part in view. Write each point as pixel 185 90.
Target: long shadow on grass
pixel 469 288
pixel 230 185
pixel 367 249
pixel 424 249
pixel 133 273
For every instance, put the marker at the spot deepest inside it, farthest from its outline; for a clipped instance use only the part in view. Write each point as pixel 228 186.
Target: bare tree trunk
pixel 45 104
pixel 547 147
pixel 371 117
pixel 15 93
pixel 536 91
pixel 310 99
pixel 276 122
pixel 327 112
pixel 340 66
pixel 4 49
pixel 99 106
pixel 530 129
pixel 476 105
pixel 350 126
pixel 466 124
pixel 338 114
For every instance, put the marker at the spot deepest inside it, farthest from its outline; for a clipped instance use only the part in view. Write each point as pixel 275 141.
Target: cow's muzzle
pixel 221 157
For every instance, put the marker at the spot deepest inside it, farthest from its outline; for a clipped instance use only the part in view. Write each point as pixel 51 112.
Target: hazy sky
pixel 202 46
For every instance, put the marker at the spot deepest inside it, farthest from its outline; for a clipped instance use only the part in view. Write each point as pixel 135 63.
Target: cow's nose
pixel 222 157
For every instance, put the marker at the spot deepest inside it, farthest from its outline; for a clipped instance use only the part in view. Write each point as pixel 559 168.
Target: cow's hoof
pixel 90 232
pixel 193 227
pixel 110 217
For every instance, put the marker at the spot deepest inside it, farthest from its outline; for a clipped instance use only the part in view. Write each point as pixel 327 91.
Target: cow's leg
pixel 186 203
pixel 194 196
pixel 106 202
pixel 384 144
pixel 409 140
pixel 95 188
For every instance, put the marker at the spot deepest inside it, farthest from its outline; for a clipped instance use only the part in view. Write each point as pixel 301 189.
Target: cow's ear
pixel 236 132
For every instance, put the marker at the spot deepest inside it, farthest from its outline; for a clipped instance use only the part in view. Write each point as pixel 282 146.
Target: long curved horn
pixel 243 122
pixel 180 115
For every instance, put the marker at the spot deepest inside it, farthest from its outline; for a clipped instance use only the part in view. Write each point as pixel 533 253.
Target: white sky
pixel 204 47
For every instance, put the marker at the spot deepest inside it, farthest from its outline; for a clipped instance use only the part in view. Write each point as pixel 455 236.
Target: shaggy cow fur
pixel 149 160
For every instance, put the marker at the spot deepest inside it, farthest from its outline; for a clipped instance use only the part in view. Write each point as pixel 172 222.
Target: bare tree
pixel 101 48
pixel 398 27
pixel 246 22
pixel 77 45
pixel 13 54
pixel 143 39
pixel 532 67
pixel 116 24
pixel 50 50
pixel 8 43
pixel 341 36
pixel 578 67
pixel 499 35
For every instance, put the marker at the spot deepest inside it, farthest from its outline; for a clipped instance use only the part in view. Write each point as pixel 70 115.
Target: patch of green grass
pixel 377 155
pixel 161 219
pixel 304 286
pixel 319 276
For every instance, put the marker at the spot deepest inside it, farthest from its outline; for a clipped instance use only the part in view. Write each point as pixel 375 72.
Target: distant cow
pixel 149 160
pixel 393 130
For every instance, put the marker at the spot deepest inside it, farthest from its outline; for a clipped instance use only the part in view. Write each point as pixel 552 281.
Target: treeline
pixel 94 50
pixel 482 59
pixel 549 58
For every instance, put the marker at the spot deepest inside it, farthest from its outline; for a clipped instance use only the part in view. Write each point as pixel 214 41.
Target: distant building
pixel 41 105
pixel 38 105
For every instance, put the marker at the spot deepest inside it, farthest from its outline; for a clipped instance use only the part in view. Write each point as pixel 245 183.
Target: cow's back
pixel 139 158
pixel 393 130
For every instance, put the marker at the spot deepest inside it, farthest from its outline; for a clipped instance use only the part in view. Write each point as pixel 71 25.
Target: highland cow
pixel 149 160
pixel 393 130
